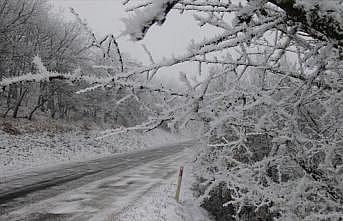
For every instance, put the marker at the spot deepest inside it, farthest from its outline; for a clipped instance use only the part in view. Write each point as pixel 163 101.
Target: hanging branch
pixel 99 44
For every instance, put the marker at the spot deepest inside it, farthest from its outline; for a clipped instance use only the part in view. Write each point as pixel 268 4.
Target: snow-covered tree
pixel 57 68
pixel 270 104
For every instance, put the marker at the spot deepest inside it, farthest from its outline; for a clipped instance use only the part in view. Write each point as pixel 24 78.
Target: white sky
pixel 103 16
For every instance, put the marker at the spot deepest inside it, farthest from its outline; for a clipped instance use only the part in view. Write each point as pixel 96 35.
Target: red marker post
pixel 178 188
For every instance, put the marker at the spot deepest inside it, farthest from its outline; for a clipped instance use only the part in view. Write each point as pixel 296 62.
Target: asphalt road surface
pixel 93 190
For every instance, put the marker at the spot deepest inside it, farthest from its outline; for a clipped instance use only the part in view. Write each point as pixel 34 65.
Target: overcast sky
pixel 104 16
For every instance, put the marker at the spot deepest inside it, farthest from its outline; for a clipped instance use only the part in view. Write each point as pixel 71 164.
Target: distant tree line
pixel 30 28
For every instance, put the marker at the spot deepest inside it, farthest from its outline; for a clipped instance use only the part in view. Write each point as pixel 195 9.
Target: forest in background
pixel 32 28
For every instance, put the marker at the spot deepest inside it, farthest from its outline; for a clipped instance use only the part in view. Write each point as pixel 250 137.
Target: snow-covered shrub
pixel 270 105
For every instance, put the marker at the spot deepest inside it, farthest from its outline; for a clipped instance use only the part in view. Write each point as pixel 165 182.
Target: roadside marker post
pixel 178 188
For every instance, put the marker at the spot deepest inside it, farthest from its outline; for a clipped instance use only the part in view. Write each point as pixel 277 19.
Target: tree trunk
pixel 40 103
pixel 17 105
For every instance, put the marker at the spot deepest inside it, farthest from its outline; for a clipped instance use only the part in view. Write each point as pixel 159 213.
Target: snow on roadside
pixel 160 205
pixel 32 150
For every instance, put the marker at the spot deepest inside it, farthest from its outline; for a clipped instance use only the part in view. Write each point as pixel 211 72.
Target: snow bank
pixel 160 204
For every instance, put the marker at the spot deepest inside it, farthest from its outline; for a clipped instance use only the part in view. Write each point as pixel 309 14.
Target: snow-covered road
pixel 94 190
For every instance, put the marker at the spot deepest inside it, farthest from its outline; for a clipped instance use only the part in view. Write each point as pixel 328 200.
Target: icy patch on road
pixel 19 153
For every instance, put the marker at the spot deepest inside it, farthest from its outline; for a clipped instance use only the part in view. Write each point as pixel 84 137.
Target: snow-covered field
pixel 32 150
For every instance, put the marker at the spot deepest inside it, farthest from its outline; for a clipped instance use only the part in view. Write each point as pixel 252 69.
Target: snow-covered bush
pixel 270 105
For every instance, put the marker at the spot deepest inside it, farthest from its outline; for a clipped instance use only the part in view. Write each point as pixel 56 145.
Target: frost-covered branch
pixel 42 75
pixel 110 39
pixel 319 19
pixel 271 87
pixel 156 12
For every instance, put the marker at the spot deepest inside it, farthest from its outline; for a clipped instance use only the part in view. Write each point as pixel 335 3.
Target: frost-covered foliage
pixel 155 12
pixel 30 28
pixel 42 75
pixel 34 86
pixel 270 106
pixel 49 65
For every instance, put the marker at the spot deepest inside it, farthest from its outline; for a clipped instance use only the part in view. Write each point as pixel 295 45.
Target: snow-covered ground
pixel 160 203
pixel 138 194
pixel 32 150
